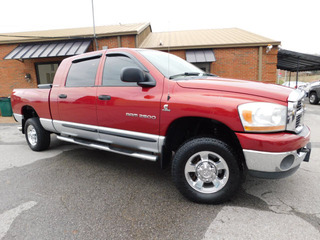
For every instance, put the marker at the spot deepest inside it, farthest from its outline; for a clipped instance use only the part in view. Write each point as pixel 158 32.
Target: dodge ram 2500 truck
pixel 156 106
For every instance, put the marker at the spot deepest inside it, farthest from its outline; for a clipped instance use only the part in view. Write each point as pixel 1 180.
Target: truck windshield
pixel 171 66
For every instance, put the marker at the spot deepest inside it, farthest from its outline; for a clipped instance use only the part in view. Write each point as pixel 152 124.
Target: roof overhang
pixel 205 38
pixel 297 62
pixel 212 46
pixel 49 49
pixel 74 33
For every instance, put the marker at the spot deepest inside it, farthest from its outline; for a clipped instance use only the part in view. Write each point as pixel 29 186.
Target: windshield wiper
pixel 185 74
pixel 210 75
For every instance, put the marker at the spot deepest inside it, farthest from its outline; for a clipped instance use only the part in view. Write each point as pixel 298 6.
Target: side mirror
pixel 131 74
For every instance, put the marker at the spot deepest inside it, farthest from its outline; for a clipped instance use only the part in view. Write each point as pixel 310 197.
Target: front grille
pixel 298 121
pixel 299 105
pixel 296 111
pixel 299 112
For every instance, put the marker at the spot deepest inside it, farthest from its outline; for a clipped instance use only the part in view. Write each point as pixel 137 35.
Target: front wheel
pixel 37 137
pixel 205 170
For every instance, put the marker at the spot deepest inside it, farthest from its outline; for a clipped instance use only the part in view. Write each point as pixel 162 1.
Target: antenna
pixel 94 27
pixel 168 97
pixel 168 47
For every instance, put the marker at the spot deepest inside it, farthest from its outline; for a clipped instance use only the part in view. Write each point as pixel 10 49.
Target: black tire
pixel 37 137
pixel 313 98
pixel 218 171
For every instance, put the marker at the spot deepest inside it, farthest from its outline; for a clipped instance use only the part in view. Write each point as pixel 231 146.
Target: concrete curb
pixel 7 120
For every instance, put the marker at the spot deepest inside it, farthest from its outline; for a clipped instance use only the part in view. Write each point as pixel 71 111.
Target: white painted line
pixel 7 218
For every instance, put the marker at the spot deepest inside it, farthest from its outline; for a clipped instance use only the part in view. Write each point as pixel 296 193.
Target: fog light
pixel 287 162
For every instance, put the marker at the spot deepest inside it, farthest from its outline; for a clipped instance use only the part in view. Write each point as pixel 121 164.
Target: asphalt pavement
pixel 71 192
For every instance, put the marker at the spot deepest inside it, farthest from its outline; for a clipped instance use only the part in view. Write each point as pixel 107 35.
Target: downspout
pixel 297 76
pixel 260 64
pixel 119 41
pixel 136 41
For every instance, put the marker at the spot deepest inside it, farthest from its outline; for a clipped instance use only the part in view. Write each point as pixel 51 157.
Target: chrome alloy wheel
pixel 206 172
pixel 32 135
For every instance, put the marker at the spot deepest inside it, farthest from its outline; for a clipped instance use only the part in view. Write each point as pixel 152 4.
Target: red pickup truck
pixel 156 106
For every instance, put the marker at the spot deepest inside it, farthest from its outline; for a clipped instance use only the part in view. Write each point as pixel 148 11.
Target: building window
pixel 203 66
pixel 202 58
pixel 46 72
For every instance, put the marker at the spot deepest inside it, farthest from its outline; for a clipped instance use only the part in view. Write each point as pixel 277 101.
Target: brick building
pixel 30 58
pixel 237 53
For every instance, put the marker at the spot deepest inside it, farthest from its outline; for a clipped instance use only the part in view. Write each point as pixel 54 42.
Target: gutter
pixel 236 45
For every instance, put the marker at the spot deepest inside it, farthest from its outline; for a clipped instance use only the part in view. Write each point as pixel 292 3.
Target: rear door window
pixel 83 73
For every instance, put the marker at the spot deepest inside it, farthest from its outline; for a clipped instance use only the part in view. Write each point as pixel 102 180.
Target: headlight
pixel 263 117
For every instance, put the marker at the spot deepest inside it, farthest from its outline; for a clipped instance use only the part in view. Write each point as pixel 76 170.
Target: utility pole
pixel 94 27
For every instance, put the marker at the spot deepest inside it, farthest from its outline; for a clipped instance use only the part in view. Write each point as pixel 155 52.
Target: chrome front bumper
pixel 18 117
pixel 275 165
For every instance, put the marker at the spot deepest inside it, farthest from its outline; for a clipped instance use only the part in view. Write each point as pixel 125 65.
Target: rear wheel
pixel 205 170
pixel 313 98
pixel 37 137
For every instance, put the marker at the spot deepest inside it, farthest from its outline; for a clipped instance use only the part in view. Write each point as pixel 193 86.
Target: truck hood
pixel 266 90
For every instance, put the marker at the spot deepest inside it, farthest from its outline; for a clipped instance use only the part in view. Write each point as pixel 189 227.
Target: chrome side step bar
pixel 105 147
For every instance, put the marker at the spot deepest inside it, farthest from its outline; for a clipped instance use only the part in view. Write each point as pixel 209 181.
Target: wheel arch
pixel 27 112
pixel 186 128
pixel 313 91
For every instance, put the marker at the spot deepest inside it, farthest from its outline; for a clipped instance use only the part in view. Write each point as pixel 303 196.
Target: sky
pixel 293 22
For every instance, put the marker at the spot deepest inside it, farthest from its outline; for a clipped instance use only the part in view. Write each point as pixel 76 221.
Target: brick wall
pixel 110 42
pixel 12 72
pixel 269 65
pixel 128 41
pixel 179 53
pixel 239 63
pixel 243 63
pixel 115 42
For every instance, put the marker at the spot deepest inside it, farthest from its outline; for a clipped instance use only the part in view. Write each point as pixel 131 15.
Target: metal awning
pixel 49 49
pixel 200 56
pixel 297 62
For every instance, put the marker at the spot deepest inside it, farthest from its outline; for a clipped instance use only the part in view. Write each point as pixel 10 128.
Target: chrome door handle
pixel 104 97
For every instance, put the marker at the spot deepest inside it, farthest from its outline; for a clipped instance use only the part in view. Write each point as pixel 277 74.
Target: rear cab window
pixel 82 72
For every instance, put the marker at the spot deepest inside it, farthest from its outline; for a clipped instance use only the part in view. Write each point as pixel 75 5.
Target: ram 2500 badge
pixel 155 106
